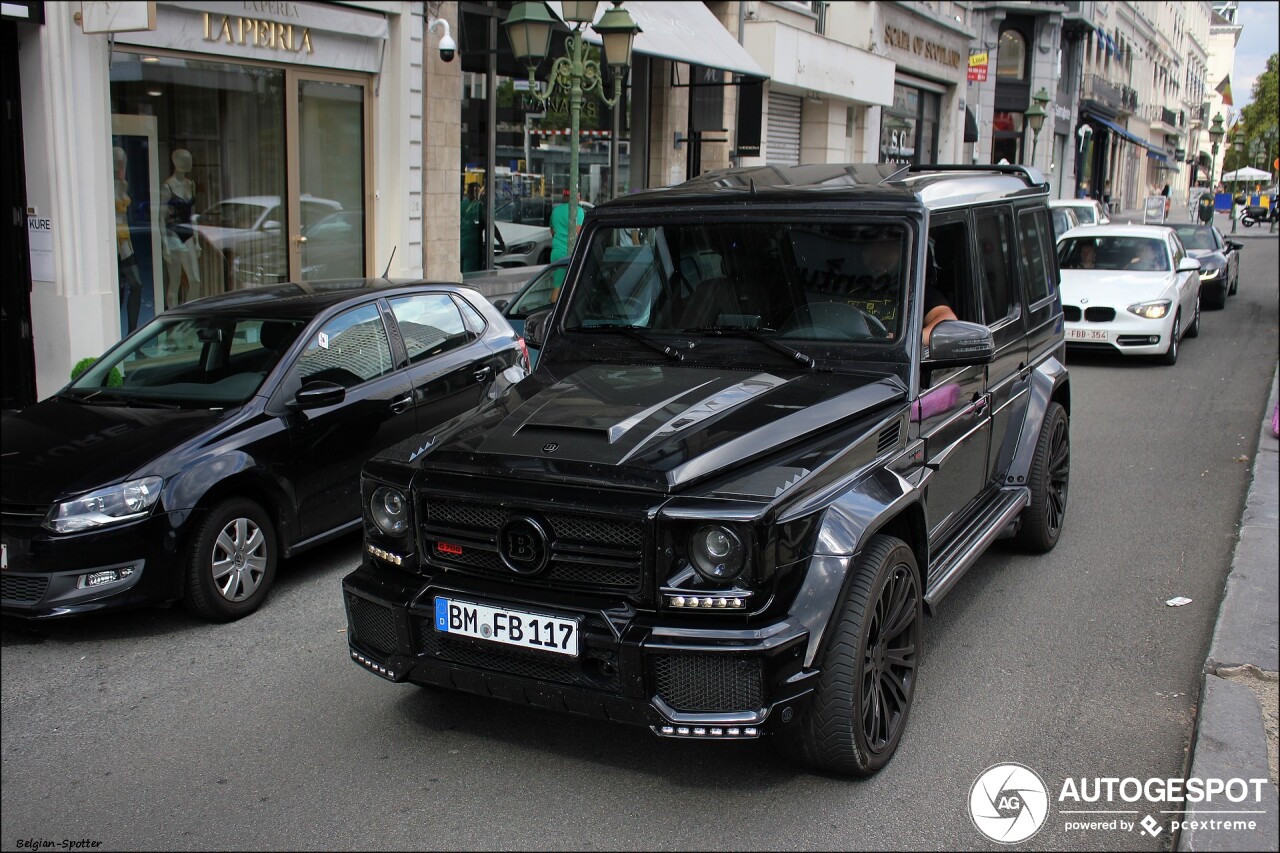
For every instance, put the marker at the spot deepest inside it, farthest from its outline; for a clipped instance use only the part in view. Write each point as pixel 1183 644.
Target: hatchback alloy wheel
pixel 239 559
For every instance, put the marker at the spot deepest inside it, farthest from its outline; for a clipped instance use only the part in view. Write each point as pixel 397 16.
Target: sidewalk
pixel 1235 733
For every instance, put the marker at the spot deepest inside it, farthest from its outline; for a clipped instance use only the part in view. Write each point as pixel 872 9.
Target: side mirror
pixel 535 327
pixel 317 395
pixel 271 225
pixel 1188 265
pixel 1234 245
pixel 501 304
pixel 955 343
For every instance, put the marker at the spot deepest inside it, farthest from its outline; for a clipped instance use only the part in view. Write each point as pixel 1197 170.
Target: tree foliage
pixel 1264 112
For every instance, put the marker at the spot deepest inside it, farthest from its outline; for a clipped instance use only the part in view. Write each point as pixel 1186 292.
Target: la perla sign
pixel 258 32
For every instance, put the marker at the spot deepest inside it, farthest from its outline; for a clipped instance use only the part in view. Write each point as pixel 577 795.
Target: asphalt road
pixel 151 730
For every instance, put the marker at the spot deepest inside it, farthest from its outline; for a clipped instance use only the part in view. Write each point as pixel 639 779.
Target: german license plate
pixel 536 631
pixel 1086 335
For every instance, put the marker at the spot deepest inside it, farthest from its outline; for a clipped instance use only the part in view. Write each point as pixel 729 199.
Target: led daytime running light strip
pixel 707 731
pixel 707 602
pixel 384 555
pixel 373 665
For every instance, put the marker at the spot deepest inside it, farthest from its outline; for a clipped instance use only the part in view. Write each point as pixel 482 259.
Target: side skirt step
pixel 972 541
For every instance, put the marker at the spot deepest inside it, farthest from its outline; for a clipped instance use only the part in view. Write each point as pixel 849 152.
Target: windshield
pixel 1196 238
pixel 192 361
pixel 797 281
pixel 1140 254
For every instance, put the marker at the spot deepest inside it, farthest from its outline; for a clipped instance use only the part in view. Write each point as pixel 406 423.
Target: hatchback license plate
pixel 525 630
pixel 1086 335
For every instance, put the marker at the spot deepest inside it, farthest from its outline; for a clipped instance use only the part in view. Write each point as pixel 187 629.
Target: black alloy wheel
pixel 868 674
pixel 1049 481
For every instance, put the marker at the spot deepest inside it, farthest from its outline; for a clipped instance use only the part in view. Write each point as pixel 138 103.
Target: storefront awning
pixel 684 32
pixel 1118 130
pixel 1156 155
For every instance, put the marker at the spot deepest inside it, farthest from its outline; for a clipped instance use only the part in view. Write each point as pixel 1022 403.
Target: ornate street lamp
pixel 1035 117
pixel 529 28
pixel 1237 142
pixel 1215 136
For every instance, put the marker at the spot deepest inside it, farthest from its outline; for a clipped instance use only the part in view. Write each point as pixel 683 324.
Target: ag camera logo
pixel 1008 803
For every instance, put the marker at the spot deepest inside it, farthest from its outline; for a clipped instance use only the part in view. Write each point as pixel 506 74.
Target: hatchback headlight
pixel 389 511
pixel 1151 310
pixel 717 553
pixel 112 505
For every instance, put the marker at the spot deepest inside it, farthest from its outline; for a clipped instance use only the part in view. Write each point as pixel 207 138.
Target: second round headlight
pixel 389 510
pixel 717 553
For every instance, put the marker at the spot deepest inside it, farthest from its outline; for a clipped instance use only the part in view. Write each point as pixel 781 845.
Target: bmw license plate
pixel 519 628
pixel 1086 335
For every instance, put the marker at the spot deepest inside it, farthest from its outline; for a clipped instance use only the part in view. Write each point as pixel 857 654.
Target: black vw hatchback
pixel 227 434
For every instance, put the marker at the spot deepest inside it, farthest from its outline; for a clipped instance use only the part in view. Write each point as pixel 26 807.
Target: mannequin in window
pixel 126 261
pixel 181 246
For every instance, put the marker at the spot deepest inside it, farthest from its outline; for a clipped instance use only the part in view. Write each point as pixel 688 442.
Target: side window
pixel 541 295
pixel 995 257
pixel 949 271
pixel 1036 271
pixel 429 324
pixel 471 317
pixel 351 348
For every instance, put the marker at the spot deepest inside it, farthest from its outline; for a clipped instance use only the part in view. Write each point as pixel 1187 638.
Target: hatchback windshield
pixel 818 281
pixel 189 360
pixel 1140 254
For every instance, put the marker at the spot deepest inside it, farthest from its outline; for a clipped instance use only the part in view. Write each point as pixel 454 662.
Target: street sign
pixel 978 66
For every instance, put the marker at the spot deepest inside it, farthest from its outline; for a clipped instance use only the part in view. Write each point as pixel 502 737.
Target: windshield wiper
pixel 102 397
pixel 633 332
pixel 751 334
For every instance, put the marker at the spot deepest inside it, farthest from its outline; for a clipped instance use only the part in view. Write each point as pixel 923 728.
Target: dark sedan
pixel 1219 261
pixel 227 434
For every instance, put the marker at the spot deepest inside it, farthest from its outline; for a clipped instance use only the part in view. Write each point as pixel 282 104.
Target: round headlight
pixel 390 511
pixel 717 553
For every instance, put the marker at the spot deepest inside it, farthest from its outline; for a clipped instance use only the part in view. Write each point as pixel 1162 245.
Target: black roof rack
pixel 1025 172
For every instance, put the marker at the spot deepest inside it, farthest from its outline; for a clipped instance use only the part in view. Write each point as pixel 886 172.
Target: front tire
pixel 230 561
pixel 1170 356
pixel 1193 331
pixel 859 709
pixel 1049 480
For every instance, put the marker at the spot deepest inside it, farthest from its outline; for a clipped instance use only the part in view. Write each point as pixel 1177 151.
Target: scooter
pixel 1255 214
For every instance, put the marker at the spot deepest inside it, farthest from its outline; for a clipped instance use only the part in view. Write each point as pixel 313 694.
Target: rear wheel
pixel 859 709
pixel 230 561
pixel 1049 479
pixel 1171 354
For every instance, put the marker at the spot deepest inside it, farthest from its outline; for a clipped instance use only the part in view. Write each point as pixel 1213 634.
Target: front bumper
pixel 711 682
pixel 1127 334
pixel 43 571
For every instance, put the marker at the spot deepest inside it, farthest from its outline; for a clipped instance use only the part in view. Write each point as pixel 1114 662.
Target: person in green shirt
pixel 560 227
pixel 471 237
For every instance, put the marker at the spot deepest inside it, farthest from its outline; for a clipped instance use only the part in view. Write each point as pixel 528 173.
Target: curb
pixel 1230 740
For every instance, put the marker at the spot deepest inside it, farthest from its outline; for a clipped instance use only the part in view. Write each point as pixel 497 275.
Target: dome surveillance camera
pixel 448 48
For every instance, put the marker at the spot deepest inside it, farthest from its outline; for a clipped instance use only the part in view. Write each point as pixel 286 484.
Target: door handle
pixel 402 405
pixel 980 404
pixel 482 374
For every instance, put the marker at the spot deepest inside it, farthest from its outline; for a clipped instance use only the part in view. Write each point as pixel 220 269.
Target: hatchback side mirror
pixel 317 395
pixel 1188 265
pixel 955 343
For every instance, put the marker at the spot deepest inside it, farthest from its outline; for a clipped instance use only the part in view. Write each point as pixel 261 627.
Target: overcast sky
pixel 1260 22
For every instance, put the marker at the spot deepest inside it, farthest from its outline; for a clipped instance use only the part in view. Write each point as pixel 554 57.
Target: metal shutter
pixel 783 147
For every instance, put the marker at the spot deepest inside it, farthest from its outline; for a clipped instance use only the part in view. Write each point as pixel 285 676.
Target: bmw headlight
pixel 112 505
pixel 1210 274
pixel 389 511
pixel 1154 310
pixel 717 553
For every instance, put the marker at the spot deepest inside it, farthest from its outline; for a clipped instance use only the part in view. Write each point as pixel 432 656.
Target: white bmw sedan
pixel 1129 288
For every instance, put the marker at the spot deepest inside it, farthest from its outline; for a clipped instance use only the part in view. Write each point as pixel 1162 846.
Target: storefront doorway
pixel 234 175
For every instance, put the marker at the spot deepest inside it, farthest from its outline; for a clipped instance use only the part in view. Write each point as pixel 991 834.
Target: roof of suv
pixel 936 186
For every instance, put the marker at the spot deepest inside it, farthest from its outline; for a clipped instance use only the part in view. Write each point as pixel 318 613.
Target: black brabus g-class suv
pixel 739 476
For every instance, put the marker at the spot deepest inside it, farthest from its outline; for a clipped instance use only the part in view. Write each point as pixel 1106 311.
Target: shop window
pixel 1011 61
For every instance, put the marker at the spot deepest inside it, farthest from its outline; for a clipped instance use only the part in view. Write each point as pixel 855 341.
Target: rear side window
pixel 1033 252
pixel 429 324
pixel 995 255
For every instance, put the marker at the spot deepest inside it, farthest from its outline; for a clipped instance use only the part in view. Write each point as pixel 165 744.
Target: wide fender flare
pixel 1048 381
pixel 847 523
